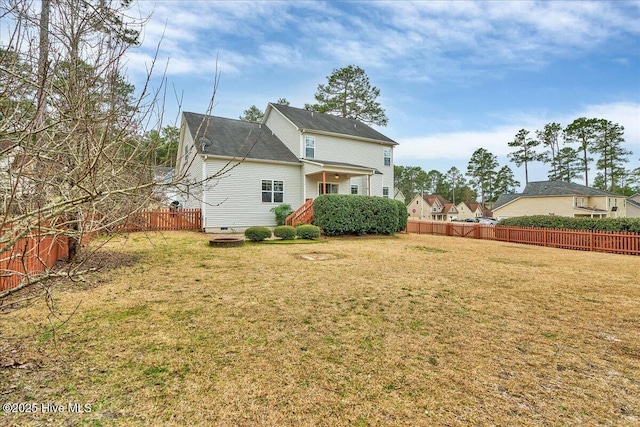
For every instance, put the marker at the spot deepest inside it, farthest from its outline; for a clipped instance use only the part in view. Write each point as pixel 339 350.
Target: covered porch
pixel 328 177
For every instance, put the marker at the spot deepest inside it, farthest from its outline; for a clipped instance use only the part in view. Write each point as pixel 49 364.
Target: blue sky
pixel 453 76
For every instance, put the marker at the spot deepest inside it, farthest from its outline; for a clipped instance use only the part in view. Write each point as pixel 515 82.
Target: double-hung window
pixel 309 147
pixel 386 153
pixel 272 191
pixel 385 193
pixel 354 189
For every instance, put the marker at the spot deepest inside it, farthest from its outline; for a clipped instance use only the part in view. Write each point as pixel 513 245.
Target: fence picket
pixel 600 241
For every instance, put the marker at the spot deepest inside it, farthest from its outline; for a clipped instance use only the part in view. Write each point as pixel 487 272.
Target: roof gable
pixel 308 120
pixel 218 136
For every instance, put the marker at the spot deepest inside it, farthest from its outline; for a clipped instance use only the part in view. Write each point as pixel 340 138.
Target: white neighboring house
pixel 291 156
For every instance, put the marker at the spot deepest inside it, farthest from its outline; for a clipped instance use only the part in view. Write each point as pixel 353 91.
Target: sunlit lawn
pixel 396 331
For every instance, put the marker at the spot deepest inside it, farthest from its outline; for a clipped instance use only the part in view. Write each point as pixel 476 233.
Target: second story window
pixel 309 147
pixel 386 152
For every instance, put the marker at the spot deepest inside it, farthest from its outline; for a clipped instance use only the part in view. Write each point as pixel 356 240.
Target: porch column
pixel 368 185
pixel 324 182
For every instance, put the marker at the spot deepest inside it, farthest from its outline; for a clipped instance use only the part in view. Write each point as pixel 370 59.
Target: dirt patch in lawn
pixel 405 331
pixel 318 256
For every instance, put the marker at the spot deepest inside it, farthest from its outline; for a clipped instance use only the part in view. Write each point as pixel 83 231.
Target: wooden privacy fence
pixel 163 220
pixel 599 241
pixel 39 251
pixel 29 256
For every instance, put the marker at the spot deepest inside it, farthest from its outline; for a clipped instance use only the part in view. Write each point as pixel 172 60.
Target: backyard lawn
pixel 412 330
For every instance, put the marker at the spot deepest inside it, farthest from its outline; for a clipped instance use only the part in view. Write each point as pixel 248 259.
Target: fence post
pixel 449 229
pixel 591 241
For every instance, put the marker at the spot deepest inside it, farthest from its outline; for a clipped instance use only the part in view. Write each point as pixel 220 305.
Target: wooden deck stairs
pixel 302 215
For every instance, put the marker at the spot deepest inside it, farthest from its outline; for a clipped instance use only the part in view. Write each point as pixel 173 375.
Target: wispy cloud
pixel 461 145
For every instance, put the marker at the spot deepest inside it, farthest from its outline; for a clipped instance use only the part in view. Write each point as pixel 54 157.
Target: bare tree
pixel 73 157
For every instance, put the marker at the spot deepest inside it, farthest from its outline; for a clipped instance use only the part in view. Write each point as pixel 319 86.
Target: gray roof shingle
pixel 562 188
pixel 219 136
pixel 312 120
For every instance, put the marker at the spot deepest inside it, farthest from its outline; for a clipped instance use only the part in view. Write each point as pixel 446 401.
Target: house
pixel 563 199
pixel 633 206
pixel 241 170
pixel 472 211
pixel 399 196
pixel 432 207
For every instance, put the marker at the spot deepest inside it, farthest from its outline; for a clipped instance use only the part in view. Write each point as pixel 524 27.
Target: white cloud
pixel 461 145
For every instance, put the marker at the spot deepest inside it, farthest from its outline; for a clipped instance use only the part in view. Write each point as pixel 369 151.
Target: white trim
pixel 345 136
pixel 384 157
pixel 312 139
pixel 273 191
pixel 327 183
pixel 249 159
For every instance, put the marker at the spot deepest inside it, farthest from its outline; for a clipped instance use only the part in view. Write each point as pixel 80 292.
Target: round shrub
pixel 285 232
pixel 307 231
pixel 257 234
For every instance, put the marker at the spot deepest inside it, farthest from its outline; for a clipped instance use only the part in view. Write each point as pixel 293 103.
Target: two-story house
pixel 241 170
pixel 432 207
pixel 563 199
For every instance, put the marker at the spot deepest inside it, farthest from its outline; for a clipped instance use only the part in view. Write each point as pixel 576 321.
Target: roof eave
pixel 343 135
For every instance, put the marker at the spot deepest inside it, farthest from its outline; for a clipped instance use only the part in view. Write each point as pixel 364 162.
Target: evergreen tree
pixel 348 93
pixel 525 151
pixel 583 132
pixel 481 170
pixel 549 137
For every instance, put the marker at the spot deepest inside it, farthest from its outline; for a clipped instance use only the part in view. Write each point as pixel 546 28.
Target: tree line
pixel 570 152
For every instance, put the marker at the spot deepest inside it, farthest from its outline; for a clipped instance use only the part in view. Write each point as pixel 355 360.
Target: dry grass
pixel 405 331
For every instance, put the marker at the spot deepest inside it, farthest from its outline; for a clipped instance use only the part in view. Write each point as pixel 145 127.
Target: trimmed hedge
pixel 340 214
pixel 562 222
pixel 403 216
pixel 308 231
pixel 257 234
pixel 285 232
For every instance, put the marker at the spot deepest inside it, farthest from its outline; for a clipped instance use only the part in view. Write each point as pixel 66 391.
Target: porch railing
pixel 302 215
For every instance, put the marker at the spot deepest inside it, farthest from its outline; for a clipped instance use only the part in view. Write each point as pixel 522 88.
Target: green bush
pixel 285 232
pixel 569 223
pixel 282 212
pixel 257 234
pixel 403 216
pixel 308 231
pixel 340 214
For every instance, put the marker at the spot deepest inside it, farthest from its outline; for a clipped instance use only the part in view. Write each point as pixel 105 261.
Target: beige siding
pixel 356 152
pixel 286 131
pixel 194 174
pixel 235 199
pixel 561 206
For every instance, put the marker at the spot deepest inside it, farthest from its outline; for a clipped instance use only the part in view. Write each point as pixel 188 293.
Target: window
pixel 272 191
pixel 354 189
pixel 328 189
pixel 309 147
pixel 582 202
pixel 385 192
pixel 386 152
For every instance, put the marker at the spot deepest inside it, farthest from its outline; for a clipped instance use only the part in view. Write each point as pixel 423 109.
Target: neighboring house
pixel 563 199
pixel 399 195
pixel 163 193
pixel 633 206
pixel 473 211
pixel 432 207
pixel 291 156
